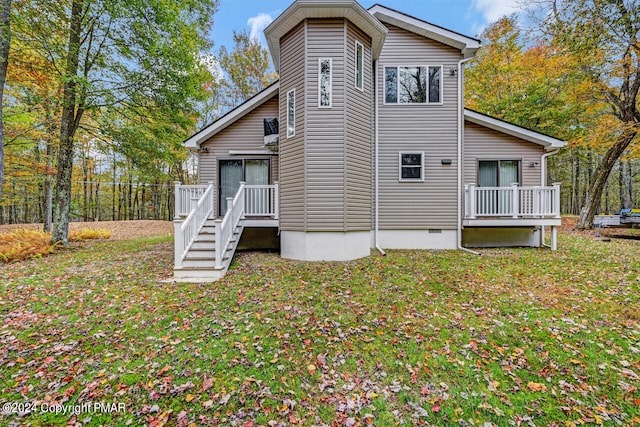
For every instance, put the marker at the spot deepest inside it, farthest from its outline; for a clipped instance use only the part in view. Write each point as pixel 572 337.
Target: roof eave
pixel 194 141
pixel 304 9
pixel 547 142
pixel 468 46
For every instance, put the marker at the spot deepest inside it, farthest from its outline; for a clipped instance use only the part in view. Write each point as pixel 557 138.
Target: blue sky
pixel 468 17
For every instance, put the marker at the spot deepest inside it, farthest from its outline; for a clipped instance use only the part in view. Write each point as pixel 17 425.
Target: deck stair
pixel 204 244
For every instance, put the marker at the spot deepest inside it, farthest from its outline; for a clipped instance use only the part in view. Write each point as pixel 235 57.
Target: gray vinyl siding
pixel 245 134
pixel 481 143
pixel 359 135
pixel 292 150
pixel 325 130
pixel 431 129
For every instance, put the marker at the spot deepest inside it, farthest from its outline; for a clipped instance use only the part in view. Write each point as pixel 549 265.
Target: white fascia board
pixel 467 45
pixel 548 142
pixel 232 116
pixel 305 9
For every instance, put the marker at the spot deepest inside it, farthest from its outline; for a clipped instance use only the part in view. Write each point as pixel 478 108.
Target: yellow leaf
pixel 189 397
pixel 536 387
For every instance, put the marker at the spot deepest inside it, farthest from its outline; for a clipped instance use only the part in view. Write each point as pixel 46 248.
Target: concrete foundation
pixel 417 239
pixel 325 245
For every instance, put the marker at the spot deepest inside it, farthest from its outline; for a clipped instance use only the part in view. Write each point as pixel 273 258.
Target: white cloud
pixel 258 23
pixel 492 10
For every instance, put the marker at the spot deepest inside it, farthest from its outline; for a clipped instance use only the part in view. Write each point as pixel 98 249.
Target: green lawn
pixel 513 337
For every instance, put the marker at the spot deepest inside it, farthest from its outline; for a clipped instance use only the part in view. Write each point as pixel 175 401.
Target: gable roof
pixel 303 9
pixel 467 45
pixel 548 142
pixel 232 116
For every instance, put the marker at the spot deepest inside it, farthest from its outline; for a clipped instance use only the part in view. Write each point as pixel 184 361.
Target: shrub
pixel 88 234
pixel 24 244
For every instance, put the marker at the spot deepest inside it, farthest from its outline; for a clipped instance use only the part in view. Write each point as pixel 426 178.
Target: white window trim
pixel 355 66
pixel 291 134
pixel 320 60
pixel 422 104
pixel 400 166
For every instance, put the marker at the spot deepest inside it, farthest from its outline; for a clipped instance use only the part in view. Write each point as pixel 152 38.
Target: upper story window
pixel 291 113
pixel 413 85
pixel 324 95
pixel 498 173
pixel 359 66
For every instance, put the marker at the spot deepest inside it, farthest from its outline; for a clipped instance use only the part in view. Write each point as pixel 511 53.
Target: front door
pixel 252 171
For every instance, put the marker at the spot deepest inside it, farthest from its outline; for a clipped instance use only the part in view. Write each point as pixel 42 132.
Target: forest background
pixel 98 96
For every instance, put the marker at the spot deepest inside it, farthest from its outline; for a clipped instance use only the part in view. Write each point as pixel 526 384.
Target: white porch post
pixel 276 200
pixel 515 200
pixel 242 198
pixel 176 199
pixel 554 238
pixel 212 201
pixel 470 191
pixel 178 242
pixel 218 242
pixel 542 235
pixel 556 199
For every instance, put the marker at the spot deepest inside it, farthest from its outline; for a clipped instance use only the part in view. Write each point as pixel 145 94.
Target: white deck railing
pixel 186 231
pixel 196 202
pixel 262 200
pixel 513 201
pixel 226 226
pixel 184 194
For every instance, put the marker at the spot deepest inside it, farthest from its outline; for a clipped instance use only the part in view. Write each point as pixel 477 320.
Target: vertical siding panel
pixel 325 180
pixel 292 150
pixel 359 134
pixel 431 129
pixel 488 144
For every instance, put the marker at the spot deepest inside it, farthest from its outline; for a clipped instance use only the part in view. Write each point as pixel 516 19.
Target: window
pixel 498 173
pixel 413 85
pixel 324 95
pixel 411 166
pixel 291 113
pixel 359 66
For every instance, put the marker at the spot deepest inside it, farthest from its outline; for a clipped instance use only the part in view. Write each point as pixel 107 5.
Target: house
pixel 363 143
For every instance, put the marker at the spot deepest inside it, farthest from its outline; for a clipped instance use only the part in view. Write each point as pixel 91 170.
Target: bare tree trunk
pixel 48 188
pixel 599 179
pixel 68 126
pixel 575 205
pixel 5 43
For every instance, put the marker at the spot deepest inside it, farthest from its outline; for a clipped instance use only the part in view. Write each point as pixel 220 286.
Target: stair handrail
pixel 226 226
pixel 187 231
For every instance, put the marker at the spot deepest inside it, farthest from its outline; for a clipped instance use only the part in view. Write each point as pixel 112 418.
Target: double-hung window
pixel 291 113
pixel 413 85
pixel 411 165
pixel 324 89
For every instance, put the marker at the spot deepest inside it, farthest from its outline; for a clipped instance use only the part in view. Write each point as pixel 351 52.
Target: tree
pixel 135 57
pixel 246 67
pixel 5 42
pixel 603 36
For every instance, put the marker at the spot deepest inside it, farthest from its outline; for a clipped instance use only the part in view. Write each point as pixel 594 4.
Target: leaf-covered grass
pixel 512 337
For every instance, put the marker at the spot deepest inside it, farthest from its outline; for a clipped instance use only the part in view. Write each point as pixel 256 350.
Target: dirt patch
pixel 120 230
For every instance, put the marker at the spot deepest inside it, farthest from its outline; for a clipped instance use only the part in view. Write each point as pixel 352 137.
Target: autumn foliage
pixel 27 244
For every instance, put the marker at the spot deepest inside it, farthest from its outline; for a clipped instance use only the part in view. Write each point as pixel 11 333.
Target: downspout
pixel 543 183
pixel 375 156
pixel 460 160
